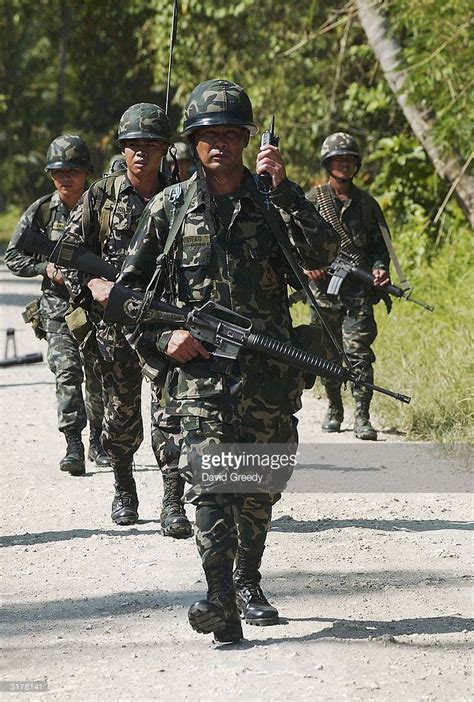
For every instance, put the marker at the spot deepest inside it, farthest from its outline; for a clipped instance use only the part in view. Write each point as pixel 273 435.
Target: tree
pixel 388 53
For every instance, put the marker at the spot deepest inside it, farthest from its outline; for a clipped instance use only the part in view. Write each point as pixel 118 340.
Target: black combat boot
pixel 218 613
pixel 335 414
pixel 73 461
pixel 96 452
pixel 125 502
pixel 251 602
pixel 174 521
pixel 363 429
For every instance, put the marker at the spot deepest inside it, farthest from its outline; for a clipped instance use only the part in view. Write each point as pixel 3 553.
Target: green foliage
pixel 429 355
pixel 288 71
pixel 8 222
pixel 69 66
pixel 437 50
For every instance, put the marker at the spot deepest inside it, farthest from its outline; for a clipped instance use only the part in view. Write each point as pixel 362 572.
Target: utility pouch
pixel 32 315
pixel 78 323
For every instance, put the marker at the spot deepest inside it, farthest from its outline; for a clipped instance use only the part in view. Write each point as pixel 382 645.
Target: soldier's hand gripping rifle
pixel 227 331
pixel 343 265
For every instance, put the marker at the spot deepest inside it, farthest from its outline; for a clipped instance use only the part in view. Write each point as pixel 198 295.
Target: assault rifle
pixel 343 265
pixel 227 331
pixel 65 254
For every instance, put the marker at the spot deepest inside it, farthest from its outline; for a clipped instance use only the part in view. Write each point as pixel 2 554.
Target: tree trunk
pixel 387 52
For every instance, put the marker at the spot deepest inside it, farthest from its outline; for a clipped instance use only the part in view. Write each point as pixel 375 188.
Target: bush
pixel 8 221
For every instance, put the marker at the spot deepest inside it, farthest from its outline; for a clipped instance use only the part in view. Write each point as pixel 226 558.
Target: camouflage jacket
pixel 47 215
pixel 361 216
pixel 104 221
pixel 225 252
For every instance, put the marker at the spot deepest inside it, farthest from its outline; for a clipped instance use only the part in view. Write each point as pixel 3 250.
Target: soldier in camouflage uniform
pixel 116 163
pixel 104 222
pixel 225 252
pixel 68 163
pixel 350 314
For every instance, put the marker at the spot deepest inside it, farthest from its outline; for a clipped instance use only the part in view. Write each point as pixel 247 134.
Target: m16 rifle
pixel 343 265
pixel 227 331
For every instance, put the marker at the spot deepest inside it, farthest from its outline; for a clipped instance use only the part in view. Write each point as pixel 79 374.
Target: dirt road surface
pixel 373 589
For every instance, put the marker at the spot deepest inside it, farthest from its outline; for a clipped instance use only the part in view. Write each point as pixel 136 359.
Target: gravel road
pixel 373 588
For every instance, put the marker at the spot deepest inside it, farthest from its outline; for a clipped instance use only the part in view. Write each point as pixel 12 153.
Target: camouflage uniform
pixel 105 221
pixel 49 215
pixel 350 314
pixel 226 253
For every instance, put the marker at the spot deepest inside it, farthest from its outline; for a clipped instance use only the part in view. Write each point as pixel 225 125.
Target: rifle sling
pixel 275 226
pixel 404 284
pixel 177 220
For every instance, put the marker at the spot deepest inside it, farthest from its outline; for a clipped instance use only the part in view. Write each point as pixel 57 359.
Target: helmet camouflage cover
pixel 68 151
pixel 218 102
pixel 116 163
pixel 339 144
pixel 144 121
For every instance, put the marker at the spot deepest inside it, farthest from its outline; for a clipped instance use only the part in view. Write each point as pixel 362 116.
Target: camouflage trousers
pixel 351 319
pixel 66 362
pixel 165 434
pixel 227 520
pixel 122 426
pixel 94 388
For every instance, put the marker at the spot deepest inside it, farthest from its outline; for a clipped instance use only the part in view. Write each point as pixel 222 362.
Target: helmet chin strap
pixel 341 180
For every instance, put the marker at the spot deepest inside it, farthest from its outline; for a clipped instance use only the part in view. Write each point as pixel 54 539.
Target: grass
pixel 428 355
pixel 8 222
pixel 422 354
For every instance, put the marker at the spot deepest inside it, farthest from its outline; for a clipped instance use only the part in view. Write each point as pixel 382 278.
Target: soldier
pixel 116 163
pixel 183 157
pixel 350 314
pixel 68 164
pixel 225 251
pixel 105 222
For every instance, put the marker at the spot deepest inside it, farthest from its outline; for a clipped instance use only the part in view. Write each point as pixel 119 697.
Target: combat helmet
pixel 218 102
pixel 339 144
pixel 116 163
pixel 68 151
pixel 144 121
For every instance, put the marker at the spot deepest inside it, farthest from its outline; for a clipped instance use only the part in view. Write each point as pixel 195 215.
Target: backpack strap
pixel 175 207
pixel 368 204
pixel 113 185
pixel 42 210
pixel 275 224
